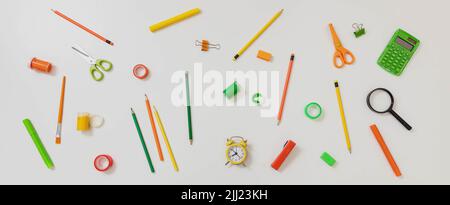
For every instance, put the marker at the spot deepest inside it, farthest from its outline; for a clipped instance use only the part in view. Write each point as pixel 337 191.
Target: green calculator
pixel 398 52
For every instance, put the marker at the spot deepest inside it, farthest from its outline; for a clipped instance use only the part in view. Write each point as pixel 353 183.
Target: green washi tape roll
pixel 37 142
pixel 311 106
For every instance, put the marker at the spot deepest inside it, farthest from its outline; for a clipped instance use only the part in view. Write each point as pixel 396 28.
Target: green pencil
pixel 138 128
pixel 188 107
pixel 38 143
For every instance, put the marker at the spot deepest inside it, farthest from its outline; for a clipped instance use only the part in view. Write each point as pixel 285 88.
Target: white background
pixel 30 29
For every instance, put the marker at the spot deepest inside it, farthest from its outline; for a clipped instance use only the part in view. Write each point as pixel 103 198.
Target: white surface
pixel 30 29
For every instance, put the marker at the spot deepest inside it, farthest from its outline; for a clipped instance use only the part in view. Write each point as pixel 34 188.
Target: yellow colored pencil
pixel 166 140
pixel 344 121
pixel 260 32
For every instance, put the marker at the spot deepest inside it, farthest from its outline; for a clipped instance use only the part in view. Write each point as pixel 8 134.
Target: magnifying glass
pixel 387 108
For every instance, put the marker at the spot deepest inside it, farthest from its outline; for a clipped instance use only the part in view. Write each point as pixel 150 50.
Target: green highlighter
pixel 398 52
pixel 37 141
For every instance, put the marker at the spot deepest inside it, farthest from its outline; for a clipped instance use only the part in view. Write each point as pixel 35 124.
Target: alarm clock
pixel 236 152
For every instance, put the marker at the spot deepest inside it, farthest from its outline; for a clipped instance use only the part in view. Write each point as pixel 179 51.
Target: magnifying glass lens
pixel 380 101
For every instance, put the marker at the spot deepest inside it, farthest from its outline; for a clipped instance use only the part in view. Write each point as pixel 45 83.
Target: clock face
pixel 236 154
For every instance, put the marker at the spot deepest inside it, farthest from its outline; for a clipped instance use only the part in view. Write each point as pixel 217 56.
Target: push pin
pixel 206 45
pixel 359 30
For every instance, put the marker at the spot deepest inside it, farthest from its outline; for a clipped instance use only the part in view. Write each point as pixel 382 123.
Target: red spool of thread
pixel 41 65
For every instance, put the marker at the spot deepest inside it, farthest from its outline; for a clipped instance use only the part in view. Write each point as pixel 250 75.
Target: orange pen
pixel 385 149
pixel 286 85
pixel 83 27
pixel 60 113
pixel 155 134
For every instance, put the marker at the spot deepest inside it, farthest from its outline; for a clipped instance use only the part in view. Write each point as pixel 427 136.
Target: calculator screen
pixel 404 43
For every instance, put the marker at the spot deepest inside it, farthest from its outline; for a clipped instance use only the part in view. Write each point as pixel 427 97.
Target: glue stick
pixel 83 122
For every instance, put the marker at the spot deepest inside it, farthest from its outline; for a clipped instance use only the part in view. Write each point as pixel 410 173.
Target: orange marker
pixel 155 134
pixel 83 27
pixel 286 85
pixel 385 149
pixel 60 114
pixel 290 145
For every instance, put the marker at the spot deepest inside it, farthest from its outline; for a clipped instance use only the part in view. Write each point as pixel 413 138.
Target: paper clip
pixel 359 30
pixel 206 45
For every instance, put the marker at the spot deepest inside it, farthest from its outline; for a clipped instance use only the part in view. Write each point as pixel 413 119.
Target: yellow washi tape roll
pixel 83 122
pixel 174 19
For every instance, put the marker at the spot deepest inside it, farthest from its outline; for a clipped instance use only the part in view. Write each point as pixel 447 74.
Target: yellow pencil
pixel 163 131
pixel 344 122
pixel 260 32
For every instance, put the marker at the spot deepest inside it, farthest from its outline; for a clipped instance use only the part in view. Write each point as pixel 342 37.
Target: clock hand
pixel 233 152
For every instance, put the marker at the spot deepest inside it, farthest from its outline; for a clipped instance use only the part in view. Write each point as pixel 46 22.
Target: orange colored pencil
pixel 155 133
pixel 385 149
pixel 286 86
pixel 60 113
pixel 83 27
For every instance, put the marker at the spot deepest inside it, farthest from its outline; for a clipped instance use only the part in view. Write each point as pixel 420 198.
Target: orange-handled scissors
pixel 342 55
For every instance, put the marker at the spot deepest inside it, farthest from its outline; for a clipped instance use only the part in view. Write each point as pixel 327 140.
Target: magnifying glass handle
pixel 400 119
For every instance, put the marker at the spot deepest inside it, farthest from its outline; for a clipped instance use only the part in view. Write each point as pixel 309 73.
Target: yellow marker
pixel 163 131
pixel 174 19
pixel 344 122
pixel 260 32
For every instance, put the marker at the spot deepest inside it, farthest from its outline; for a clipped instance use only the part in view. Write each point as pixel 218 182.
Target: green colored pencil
pixel 138 128
pixel 188 107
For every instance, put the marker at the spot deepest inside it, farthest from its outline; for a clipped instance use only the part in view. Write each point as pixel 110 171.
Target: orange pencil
pixel 385 149
pixel 60 113
pixel 286 86
pixel 155 134
pixel 83 27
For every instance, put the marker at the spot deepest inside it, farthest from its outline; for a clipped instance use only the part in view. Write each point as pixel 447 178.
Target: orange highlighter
pixel 385 149
pixel 288 147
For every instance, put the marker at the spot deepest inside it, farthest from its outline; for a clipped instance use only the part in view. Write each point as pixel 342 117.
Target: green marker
pixel 327 158
pixel 37 142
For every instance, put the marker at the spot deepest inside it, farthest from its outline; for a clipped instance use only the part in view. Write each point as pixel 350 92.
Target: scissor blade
pixel 336 41
pixel 80 51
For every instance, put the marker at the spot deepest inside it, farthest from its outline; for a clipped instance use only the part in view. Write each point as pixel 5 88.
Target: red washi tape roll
pixel 100 166
pixel 40 65
pixel 140 71
pixel 283 155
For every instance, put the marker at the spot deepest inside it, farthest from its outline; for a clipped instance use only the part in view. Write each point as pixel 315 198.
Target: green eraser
pixel 327 158
pixel 231 90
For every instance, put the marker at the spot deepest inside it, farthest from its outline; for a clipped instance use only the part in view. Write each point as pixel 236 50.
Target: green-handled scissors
pixel 97 66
